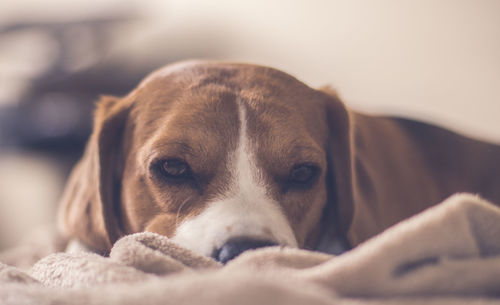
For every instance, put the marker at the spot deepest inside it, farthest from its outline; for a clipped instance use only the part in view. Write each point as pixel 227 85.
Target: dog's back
pixel 459 163
pixel 402 167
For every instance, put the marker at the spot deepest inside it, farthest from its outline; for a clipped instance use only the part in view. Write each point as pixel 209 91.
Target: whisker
pixel 179 210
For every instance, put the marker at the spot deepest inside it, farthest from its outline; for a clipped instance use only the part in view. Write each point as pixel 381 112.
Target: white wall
pixel 439 60
pixel 435 59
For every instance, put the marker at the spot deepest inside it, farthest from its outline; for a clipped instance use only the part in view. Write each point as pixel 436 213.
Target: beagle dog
pixel 222 158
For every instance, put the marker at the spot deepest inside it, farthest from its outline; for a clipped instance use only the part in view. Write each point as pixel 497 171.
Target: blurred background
pixel 438 61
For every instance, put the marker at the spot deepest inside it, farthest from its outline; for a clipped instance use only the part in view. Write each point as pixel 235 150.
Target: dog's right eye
pixel 303 176
pixel 174 170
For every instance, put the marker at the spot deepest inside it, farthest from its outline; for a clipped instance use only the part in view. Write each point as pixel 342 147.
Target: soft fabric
pixel 449 254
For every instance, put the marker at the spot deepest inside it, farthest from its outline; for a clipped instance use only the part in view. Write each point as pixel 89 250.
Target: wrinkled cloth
pixel 448 254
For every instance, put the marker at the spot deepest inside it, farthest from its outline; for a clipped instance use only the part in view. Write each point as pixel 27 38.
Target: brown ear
pixel 339 210
pixel 89 206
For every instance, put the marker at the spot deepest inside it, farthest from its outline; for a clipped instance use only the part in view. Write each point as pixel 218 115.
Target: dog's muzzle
pixel 235 247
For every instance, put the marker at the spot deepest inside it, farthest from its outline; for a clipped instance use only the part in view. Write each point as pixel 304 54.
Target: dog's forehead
pixel 194 82
pixel 208 92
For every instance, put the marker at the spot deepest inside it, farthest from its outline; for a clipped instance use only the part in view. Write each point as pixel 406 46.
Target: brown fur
pixel 375 171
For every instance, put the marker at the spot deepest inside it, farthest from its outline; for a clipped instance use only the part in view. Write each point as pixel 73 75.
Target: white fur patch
pixel 245 211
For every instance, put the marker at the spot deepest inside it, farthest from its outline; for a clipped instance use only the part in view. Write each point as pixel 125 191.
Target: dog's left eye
pixel 303 174
pixel 174 169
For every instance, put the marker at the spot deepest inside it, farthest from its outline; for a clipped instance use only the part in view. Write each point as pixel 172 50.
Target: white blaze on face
pixel 245 211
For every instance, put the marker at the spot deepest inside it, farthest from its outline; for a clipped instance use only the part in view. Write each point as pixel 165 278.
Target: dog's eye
pixel 175 169
pixel 303 174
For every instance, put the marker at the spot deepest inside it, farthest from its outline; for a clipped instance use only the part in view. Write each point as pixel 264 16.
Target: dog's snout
pixel 233 248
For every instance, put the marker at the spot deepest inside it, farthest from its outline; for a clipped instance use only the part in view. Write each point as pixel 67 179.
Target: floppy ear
pixel 89 207
pixel 339 211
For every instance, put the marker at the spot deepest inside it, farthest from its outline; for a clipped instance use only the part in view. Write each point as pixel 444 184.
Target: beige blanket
pixel 449 254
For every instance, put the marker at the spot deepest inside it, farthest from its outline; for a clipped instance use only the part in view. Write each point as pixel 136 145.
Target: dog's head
pixel 218 157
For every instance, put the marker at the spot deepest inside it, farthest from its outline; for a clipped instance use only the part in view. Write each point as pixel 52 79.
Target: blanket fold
pixel 448 254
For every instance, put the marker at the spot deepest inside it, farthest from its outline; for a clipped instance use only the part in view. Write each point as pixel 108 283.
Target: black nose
pixel 235 247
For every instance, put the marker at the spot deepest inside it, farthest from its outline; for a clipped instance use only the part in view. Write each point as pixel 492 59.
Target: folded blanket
pixel 448 254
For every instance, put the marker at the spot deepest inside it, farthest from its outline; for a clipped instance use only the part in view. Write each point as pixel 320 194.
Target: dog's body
pixel 227 157
pixel 403 166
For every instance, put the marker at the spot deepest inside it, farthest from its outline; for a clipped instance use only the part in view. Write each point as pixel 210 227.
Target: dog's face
pixel 209 155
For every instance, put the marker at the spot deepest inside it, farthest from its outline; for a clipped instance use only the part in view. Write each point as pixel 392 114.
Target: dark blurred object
pixel 54 113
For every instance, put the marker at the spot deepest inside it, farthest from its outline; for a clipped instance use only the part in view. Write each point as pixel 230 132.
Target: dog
pixel 223 158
